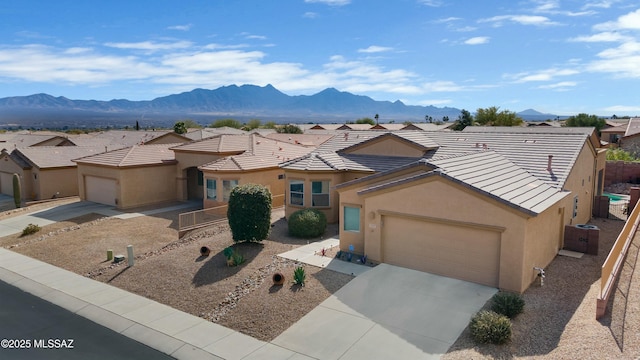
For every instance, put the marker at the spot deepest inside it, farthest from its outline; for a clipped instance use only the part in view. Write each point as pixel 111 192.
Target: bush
pixel 249 212
pixel 30 229
pixel 228 252
pixel 299 276
pixel 307 223
pixel 238 259
pixel 490 327
pixel 507 304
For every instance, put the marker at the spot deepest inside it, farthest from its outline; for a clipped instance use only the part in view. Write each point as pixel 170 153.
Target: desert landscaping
pixel 558 321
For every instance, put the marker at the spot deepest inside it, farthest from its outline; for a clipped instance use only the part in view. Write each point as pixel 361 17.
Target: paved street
pixel 27 317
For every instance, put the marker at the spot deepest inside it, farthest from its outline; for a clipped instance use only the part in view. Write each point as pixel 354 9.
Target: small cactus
pixel 17 190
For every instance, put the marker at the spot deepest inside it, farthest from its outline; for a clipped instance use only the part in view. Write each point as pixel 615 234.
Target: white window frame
pixel 299 194
pixel 321 195
pixel 212 195
pixel 227 187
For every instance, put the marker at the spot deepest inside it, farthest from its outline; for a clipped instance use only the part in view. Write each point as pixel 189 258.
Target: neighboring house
pixel 128 138
pixel 45 171
pixel 230 160
pixel 429 126
pixel 630 141
pixel 388 126
pixel 613 134
pixel 199 134
pixel 307 140
pixel 485 206
pixel 130 177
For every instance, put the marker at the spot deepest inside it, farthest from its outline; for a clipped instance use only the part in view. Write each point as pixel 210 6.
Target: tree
pixel 428 119
pixel 191 124
pixel 366 121
pixel 269 125
pixel 137 126
pixel 252 124
pixel 180 128
pixel 289 129
pixel 491 117
pixel 445 118
pixel 249 212
pixel 585 120
pixel 226 122
pixel 464 119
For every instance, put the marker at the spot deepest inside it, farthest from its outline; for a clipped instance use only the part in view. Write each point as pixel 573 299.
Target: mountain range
pixel 239 102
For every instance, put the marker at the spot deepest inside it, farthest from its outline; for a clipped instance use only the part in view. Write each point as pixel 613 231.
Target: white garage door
pixel 460 252
pixel 6 183
pixel 100 190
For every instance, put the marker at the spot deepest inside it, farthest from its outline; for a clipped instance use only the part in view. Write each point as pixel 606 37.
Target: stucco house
pixel 134 176
pixel 485 206
pixel 45 171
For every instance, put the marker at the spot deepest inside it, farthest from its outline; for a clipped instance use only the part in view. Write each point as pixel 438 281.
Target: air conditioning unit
pixel 582 238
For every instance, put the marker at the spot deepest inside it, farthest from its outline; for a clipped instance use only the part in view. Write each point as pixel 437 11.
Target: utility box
pixel 582 238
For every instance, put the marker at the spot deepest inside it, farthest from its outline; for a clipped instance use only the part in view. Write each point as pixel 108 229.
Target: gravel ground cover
pixel 172 271
pixel 558 322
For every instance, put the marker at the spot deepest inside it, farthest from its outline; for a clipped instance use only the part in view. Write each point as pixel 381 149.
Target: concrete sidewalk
pixel 309 254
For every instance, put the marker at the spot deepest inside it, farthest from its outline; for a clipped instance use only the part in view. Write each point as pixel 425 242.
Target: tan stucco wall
pixel 61 182
pixel 169 138
pixel 134 186
pixel 188 160
pixel 8 166
pixel 147 185
pixel 542 241
pixel 445 201
pixel 581 182
pixel 387 147
pixel 335 178
pixel 267 178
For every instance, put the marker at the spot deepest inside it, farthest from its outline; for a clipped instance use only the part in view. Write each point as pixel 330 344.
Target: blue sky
pixel 560 57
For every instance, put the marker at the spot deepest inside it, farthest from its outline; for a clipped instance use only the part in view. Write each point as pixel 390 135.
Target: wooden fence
pixel 613 264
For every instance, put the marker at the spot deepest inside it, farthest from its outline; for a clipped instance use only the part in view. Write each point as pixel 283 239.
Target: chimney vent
pixel 549 163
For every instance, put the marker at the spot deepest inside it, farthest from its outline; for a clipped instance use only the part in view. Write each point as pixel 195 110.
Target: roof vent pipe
pixel 549 163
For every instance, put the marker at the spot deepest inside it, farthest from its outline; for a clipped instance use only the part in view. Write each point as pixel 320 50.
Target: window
pixel 227 186
pixel 351 219
pixel 212 193
pixel 296 192
pixel 320 193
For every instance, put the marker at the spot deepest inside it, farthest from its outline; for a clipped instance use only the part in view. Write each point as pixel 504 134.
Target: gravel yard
pixel 558 322
pixel 172 272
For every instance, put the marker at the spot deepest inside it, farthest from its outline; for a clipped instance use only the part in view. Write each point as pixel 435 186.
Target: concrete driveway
pixel 388 312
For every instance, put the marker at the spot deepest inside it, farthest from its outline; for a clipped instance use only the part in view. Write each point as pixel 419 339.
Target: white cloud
pixel 150 45
pixel 630 21
pixel 542 75
pixel 534 20
pixel 330 2
pixel 310 15
pixel 623 108
pixel 446 20
pixel 186 27
pixel 478 40
pixel 607 36
pixel 561 86
pixel 431 3
pixel 375 49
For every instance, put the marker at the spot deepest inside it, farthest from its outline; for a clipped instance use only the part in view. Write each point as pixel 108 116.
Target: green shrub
pixel 490 327
pixel 507 303
pixel 238 259
pixel 299 276
pixel 228 252
pixel 307 223
pixel 30 229
pixel 249 212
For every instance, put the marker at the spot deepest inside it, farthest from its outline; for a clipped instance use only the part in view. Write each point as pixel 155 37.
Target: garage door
pixel 460 252
pixel 6 183
pixel 100 190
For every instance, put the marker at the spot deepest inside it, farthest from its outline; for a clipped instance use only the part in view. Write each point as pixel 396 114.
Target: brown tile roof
pixel 312 140
pixel 137 155
pixel 45 157
pixel 489 173
pixel 130 137
pixel 261 152
pixel 217 144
